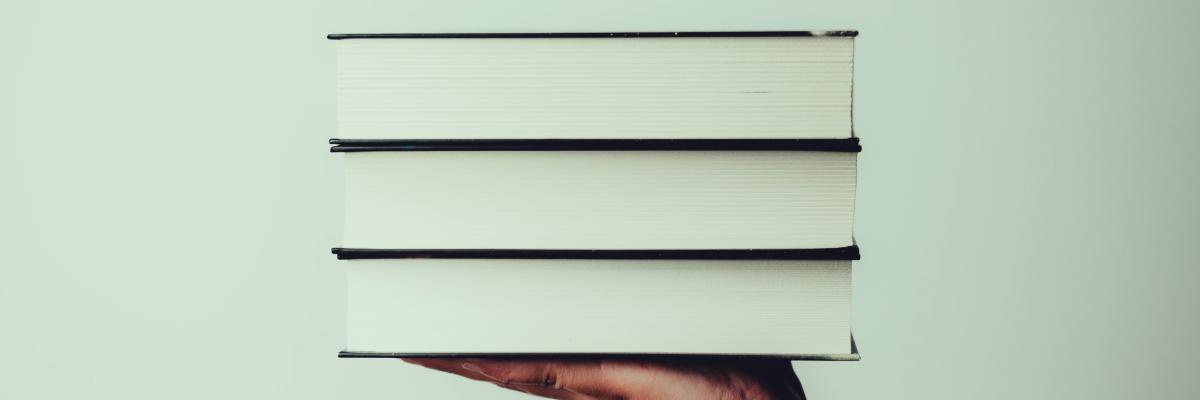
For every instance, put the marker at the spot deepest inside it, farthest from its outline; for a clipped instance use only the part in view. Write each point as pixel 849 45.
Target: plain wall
pixel 1027 205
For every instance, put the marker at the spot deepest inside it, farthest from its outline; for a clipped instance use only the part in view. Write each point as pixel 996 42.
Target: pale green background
pixel 1027 211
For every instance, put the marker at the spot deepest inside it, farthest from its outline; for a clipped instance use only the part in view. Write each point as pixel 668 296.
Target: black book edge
pixel 852 356
pixel 845 145
pixel 838 253
pixel 578 35
pixel 639 356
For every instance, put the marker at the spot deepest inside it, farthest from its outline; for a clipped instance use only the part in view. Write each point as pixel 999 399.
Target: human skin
pixel 630 379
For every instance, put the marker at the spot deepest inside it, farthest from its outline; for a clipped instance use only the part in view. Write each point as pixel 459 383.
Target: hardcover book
pixel 790 85
pixel 580 198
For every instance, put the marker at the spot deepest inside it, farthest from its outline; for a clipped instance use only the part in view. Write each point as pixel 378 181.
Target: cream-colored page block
pixel 600 200
pixel 601 306
pixel 765 87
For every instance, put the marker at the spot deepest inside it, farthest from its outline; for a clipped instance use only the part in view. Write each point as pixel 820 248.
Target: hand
pixel 630 379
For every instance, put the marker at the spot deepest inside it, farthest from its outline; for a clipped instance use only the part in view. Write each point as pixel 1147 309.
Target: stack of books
pixel 636 193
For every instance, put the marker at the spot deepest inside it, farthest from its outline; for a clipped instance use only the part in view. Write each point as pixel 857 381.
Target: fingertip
pixel 440 364
pixel 422 361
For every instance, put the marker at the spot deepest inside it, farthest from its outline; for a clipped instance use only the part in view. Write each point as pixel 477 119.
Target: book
pixel 796 309
pixel 791 84
pixel 575 198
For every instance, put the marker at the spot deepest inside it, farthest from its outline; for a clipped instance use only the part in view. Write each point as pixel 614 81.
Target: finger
pixel 586 377
pixel 455 366
pixel 450 365
pixel 550 393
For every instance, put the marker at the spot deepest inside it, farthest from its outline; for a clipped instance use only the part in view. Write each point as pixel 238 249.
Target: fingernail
pixel 472 367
